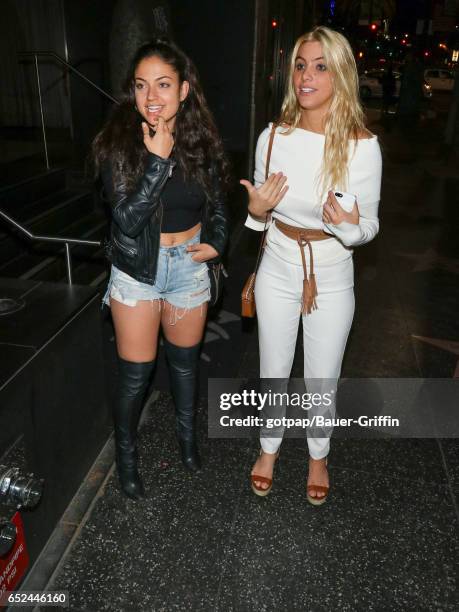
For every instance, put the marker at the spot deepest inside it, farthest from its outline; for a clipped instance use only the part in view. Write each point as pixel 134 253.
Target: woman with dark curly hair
pixel 164 174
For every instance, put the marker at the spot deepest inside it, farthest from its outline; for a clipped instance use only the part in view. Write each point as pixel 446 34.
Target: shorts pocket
pixel 201 276
pixel 190 255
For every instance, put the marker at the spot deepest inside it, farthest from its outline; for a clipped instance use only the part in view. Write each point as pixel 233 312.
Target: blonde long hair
pixel 345 118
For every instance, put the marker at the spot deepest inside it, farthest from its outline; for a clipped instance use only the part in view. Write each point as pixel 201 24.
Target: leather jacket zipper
pixel 161 207
pixel 122 247
pixel 154 272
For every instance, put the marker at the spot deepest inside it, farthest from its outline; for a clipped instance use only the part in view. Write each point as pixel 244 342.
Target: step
pixel 94 273
pixel 46 205
pixel 45 261
pixel 84 271
pixel 21 194
pixel 87 262
pixel 51 222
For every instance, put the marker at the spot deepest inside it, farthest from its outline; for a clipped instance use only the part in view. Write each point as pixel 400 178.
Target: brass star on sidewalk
pixel 430 260
pixel 446 345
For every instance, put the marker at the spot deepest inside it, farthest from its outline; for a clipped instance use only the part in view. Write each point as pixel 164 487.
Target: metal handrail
pixel 65 72
pixel 55 56
pixel 55 239
pixel 60 59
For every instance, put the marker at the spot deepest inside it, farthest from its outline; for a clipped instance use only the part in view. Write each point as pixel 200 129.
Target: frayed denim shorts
pixel 180 280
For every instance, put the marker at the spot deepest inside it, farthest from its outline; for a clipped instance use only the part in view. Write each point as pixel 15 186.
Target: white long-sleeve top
pixel 299 156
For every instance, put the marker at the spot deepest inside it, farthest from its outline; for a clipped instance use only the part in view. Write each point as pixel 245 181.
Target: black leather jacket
pixel 136 220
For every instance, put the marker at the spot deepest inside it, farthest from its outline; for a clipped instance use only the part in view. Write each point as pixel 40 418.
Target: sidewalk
pixel 387 537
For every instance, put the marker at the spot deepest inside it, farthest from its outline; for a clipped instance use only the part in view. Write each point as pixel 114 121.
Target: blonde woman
pixel 320 145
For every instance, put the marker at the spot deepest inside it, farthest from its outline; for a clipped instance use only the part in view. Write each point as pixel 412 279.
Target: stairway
pixel 53 203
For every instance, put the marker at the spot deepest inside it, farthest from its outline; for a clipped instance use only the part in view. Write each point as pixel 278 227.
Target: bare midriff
pixel 175 238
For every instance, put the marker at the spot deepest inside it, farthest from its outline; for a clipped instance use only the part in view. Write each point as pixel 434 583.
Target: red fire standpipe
pixel 16 491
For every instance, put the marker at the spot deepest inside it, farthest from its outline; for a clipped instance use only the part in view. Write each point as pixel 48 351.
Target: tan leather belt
pixel 304 237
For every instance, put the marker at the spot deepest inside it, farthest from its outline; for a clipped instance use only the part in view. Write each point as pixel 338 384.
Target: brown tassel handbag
pixel 248 292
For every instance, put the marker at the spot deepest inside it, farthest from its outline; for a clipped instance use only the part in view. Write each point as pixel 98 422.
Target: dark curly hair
pixel 197 142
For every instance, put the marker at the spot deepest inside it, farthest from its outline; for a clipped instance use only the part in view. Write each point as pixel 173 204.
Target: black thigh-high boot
pixel 133 379
pixel 183 369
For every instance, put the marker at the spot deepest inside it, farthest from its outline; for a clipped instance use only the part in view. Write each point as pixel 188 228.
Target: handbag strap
pixel 261 248
pixel 270 148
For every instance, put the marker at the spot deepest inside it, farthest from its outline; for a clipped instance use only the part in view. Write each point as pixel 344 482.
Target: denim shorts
pixel 180 280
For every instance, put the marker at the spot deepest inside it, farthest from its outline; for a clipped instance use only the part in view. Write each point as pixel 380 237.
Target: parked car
pixel 370 84
pixel 439 78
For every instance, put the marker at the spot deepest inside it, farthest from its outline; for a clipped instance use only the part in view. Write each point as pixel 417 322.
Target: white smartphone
pixel 346 200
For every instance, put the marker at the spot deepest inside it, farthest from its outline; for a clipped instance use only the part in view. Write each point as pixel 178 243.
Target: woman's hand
pixel 203 252
pixel 267 196
pixel 162 141
pixel 334 214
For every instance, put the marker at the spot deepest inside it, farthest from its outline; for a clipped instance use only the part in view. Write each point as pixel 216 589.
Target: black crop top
pixel 182 203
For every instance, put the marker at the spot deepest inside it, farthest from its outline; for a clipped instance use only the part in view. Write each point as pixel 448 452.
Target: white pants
pixel 278 294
